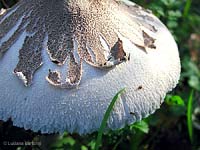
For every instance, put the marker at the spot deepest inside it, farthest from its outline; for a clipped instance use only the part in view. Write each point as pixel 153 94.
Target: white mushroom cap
pixel 101 46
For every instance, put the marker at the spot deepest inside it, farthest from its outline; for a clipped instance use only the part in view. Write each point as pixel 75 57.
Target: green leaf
pixel 172 24
pixel 174 100
pixel 92 144
pixel 84 147
pixel 63 141
pixel 176 13
pixel 105 119
pixel 187 8
pixel 189 116
pixel 194 82
pixel 142 126
pixel 194 68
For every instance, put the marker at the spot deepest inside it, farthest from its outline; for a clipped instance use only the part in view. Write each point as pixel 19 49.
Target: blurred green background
pixel 176 126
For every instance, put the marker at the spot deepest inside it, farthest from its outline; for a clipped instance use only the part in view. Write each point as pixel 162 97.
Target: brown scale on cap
pixel 118 51
pixel 117 54
pixel 75 71
pixel 54 77
pixel 30 57
pixel 64 21
pixel 148 40
pixel 73 76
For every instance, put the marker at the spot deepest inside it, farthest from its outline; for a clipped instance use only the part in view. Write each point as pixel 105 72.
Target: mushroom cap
pixel 74 56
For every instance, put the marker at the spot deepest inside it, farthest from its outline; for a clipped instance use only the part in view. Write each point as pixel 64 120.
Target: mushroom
pixel 63 61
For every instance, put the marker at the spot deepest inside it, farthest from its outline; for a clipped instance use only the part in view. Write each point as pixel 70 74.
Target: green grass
pixel 105 119
pixel 189 116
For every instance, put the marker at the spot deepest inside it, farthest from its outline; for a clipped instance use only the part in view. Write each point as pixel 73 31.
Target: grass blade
pixel 189 116
pixel 187 8
pixel 105 118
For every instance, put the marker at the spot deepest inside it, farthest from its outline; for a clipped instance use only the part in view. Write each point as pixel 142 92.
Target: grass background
pixel 175 126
